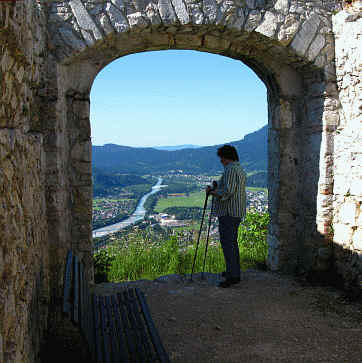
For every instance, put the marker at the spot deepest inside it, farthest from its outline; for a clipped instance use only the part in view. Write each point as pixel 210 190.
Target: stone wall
pixel 347 202
pixel 24 268
pixel 288 43
pixel 47 70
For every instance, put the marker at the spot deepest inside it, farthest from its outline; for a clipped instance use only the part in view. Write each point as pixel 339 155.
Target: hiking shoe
pixel 228 282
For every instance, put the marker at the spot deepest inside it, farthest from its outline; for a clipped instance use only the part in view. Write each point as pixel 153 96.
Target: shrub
pixel 140 258
pixel 102 264
pixel 252 238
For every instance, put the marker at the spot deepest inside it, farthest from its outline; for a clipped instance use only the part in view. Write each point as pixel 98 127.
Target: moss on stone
pixel 8 40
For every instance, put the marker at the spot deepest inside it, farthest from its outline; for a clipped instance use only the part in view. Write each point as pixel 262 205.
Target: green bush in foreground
pixel 252 238
pixel 141 259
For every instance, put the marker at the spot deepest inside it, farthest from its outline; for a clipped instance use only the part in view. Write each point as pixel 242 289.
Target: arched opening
pixel 172 98
pixel 285 117
pixel 297 91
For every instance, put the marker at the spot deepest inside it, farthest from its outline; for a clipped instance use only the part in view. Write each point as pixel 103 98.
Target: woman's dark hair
pixel 228 152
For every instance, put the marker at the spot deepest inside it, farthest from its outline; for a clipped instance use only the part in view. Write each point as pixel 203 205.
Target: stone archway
pixel 290 47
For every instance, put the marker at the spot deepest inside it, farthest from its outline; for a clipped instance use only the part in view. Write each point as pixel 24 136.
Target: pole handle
pixel 207 238
pixel 198 238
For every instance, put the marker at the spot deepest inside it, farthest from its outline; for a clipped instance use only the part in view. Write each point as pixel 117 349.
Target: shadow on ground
pixel 265 318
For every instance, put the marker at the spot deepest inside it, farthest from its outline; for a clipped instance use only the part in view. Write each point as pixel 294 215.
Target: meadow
pixel 143 259
pixel 195 199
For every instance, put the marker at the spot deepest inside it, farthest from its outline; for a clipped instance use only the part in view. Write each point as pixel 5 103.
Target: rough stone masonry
pixel 306 52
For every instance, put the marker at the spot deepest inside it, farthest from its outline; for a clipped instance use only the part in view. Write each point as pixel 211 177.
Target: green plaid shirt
pixel 230 195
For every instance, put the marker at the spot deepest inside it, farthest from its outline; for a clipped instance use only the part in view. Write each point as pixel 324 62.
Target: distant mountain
pixel 177 147
pixel 103 181
pixel 258 179
pixel 252 151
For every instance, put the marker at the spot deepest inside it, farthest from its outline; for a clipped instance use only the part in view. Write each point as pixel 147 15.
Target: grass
pixel 195 199
pixel 257 189
pixel 141 259
pixel 166 259
pixel 195 226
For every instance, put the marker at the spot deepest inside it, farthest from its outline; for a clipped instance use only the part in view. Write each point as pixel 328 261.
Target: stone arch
pixel 288 44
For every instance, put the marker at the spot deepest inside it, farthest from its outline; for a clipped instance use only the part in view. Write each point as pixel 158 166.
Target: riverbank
pixel 109 222
pixel 137 215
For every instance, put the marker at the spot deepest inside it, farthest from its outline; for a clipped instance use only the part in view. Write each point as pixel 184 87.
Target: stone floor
pixel 265 318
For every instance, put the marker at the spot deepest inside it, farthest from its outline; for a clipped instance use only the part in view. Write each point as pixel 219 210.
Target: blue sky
pixel 176 97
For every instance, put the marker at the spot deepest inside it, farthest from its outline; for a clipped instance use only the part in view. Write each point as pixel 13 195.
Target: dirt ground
pixel 265 318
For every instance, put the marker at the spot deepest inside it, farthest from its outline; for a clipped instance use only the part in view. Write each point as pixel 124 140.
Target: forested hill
pixel 123 159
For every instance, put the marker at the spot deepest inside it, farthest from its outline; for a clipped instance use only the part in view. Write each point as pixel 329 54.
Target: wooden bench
pixel 117 328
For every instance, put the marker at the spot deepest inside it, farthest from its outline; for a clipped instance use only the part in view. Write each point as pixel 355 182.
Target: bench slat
pixel 126 327
pixel 83 313
pixel 91 324
pixel 67 283
pixel 112 329
pixel 105 331
pixel 156 340
pixel 85 310
pixel 82 306
pixel 121 343
pixel 97 329
pixel 141 325
pixel 134 326
pixel 75 290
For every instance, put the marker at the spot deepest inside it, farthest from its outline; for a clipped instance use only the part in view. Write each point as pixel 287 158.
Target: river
pixel 137 215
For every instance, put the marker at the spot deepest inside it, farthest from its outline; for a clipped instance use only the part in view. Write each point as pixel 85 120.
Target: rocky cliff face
pixel 24 269
pixel 347 202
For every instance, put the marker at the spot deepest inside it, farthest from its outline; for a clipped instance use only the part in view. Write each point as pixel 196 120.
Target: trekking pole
pixel 207 238
pixel 198 238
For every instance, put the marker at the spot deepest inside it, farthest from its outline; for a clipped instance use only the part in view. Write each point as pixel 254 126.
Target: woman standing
pixel 230 208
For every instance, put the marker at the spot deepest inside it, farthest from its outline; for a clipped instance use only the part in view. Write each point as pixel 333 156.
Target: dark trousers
pixel 228 229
